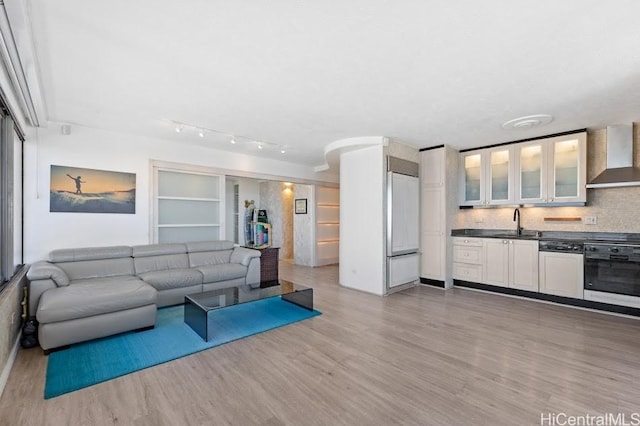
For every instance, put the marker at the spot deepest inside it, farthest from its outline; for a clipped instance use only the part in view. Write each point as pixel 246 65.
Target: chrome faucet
pixel 516 218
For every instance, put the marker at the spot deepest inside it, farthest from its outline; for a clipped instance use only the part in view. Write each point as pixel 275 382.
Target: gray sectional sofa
pixel 86 293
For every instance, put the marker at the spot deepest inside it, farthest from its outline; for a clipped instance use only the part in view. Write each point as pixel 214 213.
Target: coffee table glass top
pixel 197 307
pixel 224 297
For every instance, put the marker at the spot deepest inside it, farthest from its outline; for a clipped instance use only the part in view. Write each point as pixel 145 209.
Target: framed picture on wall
pixel 301 206
pixel 78 190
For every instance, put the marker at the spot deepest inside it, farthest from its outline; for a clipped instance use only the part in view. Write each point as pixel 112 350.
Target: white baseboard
pixel 7 368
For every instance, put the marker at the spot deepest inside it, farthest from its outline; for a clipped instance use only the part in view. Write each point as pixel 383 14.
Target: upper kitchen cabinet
pixel 487 177
pixel 472 179
pixel 552 171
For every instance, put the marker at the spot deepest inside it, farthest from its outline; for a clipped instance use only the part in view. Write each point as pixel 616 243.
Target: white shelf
pixel 188 225
pixel 189 199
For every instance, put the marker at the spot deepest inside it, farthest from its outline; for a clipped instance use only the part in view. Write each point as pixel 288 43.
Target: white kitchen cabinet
pixel 496 262
pixel 500 176
pixel 510 263
pixel 562 274
pixel 552 171
pixel 487 177
pixel 435 222
pixel 523 265
pixel 467 259
pixel 472 178
pixel 545 171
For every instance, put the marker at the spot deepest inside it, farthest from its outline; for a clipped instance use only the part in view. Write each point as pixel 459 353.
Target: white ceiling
pixel 302 74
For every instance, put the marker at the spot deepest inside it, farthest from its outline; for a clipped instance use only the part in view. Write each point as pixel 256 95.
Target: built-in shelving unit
pixel 327 225
pixel 188 205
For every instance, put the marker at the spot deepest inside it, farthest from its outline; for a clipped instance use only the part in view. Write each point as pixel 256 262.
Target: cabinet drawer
pixel 467 272
pixel 466 241
pixel 465 254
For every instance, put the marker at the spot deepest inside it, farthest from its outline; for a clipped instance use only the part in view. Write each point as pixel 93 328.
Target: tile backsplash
pixel 615 209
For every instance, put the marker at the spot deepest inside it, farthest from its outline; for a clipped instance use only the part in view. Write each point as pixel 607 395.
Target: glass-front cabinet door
pixel 500 181
pixel 531 179
pixel 567 174
pixel 472 179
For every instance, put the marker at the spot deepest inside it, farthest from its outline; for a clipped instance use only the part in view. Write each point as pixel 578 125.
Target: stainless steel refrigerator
pixel 403 222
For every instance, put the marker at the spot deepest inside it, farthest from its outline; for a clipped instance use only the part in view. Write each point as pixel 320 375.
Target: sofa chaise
pixel 86 293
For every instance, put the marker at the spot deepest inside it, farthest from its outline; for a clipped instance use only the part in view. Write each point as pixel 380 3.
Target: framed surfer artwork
pixel 78 190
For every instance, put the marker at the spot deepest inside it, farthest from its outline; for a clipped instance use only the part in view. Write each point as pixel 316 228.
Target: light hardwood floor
pixel 423 356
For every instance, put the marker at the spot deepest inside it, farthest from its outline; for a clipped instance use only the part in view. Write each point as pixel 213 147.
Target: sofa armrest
pixel 43 270
pixel 243 255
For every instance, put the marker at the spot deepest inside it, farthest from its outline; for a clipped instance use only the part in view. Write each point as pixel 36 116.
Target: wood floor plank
pixel 423 356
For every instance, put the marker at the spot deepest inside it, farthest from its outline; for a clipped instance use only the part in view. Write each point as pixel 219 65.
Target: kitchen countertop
pixel 529 234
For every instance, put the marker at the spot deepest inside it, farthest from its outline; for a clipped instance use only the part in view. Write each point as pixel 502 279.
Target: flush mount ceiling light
pixel 527 122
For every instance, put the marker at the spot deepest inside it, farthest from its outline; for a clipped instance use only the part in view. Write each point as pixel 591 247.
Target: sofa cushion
pixel 209 252
pixel 89 253
pixel 209 246
pixel 209 258
pixel 97 268
pixel 85 298
pixel 223 272
pixel 158 249
pixel 174 278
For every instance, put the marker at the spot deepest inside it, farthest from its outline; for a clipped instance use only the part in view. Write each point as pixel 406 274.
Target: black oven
pixel 612 268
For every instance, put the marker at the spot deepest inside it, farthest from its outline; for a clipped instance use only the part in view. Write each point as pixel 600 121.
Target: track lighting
pixel 190 129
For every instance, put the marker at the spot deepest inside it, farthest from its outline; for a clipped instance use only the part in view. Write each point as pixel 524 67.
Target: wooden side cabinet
pixel 269 265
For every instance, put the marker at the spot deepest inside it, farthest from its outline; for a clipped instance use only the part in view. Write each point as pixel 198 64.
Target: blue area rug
pixel 96 361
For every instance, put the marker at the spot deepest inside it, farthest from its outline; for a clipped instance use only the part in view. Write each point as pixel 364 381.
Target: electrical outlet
pixel 590 220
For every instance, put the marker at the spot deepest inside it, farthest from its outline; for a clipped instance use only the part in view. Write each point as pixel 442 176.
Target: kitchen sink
pixel 527 234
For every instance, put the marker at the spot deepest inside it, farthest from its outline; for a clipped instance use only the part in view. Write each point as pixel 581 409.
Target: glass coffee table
pixel 197 306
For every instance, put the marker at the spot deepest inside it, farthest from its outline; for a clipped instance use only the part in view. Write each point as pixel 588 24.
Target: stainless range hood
pixel 620 171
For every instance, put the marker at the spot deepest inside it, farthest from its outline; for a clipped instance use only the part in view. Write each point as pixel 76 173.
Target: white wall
pixel 100 149
pixel 304 227
pixel 362 253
